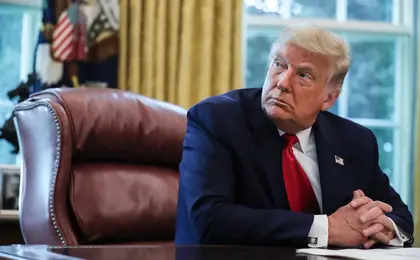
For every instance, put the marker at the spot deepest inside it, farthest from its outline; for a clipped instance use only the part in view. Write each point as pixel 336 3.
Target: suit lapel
pixel 267 151
pixel 329 169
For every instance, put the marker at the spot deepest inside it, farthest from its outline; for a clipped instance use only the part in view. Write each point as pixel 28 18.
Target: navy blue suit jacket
pixel 231 188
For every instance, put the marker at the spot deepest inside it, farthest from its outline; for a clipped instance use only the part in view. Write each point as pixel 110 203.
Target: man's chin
pixel 278 113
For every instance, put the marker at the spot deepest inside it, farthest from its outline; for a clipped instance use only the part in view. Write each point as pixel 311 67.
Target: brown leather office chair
pixel 100 166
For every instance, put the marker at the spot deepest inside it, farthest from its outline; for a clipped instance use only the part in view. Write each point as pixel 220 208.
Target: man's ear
pixel 331 98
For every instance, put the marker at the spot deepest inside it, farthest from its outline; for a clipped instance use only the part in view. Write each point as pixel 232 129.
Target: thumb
pixel 358 194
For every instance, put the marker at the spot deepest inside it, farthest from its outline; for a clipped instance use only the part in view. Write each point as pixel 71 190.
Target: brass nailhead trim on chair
pixel 56 161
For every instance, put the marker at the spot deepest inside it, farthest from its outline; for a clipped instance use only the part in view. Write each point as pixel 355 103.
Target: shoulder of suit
pixel 225 115
pixel 345 125
pixel 228 103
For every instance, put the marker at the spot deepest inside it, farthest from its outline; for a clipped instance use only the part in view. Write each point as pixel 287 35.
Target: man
pixel 273 167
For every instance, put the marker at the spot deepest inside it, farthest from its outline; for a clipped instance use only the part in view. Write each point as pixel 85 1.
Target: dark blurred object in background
pixel 22 91
pixel 8 133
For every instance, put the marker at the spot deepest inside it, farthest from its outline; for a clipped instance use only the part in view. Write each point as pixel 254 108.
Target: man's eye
pixel 304 76
pixel 279 64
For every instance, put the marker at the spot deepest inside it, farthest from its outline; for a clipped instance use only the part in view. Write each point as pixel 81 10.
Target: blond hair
pixel 314 39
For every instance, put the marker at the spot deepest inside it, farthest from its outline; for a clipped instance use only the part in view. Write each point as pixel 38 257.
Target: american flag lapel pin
pixel 339 160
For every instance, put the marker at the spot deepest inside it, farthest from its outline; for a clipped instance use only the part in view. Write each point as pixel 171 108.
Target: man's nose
pixel 284 81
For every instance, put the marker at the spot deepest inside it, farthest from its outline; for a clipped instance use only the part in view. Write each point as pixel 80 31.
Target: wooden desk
pixel 163 252
pixel 169 252
pixel 10 228
pixel 10 231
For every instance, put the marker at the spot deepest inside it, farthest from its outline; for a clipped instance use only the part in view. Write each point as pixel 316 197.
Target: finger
pixel 385 221
pixel 358 194
pixel 360 201
pixel 371 214
pixel 372 230
pixel 367 206
pixel 384 206
pixel 381 237
pixel 361 193
pixel 369 243
pixel 355 195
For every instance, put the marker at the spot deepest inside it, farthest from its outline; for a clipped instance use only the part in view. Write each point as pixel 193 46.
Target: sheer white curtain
pixel 281 7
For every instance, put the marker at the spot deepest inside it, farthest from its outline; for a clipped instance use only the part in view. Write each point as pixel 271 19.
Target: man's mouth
pixel 280 102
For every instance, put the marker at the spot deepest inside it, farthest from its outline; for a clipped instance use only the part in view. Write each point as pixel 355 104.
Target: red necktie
pixel 299 190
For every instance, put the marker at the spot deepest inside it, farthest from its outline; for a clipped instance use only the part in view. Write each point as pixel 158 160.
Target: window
pixel 19 25
pixel 378 90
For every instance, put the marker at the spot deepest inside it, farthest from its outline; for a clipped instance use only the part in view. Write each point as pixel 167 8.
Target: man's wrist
pixel 331 235
pixel 318 234
pixel 398 237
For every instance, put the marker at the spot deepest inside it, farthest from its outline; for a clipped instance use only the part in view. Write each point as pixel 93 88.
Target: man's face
pixel 295 89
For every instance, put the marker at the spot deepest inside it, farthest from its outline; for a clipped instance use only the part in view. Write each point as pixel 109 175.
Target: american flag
pixel 69 36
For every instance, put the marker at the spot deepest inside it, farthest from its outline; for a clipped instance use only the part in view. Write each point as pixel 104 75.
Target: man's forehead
pixel 290 52
pixel 287 49
pixel 278 49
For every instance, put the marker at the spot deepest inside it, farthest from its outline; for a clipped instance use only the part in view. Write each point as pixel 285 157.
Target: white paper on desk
pixel 366 254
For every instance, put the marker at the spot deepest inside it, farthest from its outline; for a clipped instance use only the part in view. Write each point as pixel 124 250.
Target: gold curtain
pixel 181 51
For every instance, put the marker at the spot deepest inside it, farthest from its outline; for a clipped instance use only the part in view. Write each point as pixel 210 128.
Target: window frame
pixel 24 3
pixel 402 25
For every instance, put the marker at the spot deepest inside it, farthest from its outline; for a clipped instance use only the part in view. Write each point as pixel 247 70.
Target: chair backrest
pixel 100 166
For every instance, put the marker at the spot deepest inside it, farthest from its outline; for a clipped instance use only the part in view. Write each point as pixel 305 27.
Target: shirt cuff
pixel 399 238
pixel 318 234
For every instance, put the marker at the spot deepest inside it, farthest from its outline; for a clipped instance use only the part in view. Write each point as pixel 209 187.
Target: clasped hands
pixel 361 222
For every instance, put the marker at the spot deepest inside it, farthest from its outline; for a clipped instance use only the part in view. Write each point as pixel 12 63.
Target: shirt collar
pixel 303 137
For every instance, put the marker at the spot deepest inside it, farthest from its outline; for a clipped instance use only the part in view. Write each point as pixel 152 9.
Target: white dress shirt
pixel 305 153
